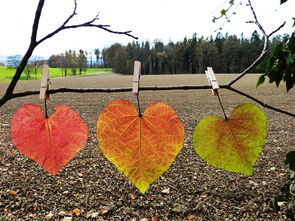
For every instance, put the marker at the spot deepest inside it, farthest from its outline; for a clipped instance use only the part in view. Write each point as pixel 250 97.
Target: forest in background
pixel 225 53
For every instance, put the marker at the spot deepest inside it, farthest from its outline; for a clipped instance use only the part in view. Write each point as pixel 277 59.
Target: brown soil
pixel 190 190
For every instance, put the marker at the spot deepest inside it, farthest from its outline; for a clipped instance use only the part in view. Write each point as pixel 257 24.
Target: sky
pixel 165 20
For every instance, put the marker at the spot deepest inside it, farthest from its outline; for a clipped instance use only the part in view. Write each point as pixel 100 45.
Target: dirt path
pixel 93 185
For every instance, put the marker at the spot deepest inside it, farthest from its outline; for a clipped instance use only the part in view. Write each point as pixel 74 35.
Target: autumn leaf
pixel 51 142
pixel 12 192
pixel 141 147
pixel 234 143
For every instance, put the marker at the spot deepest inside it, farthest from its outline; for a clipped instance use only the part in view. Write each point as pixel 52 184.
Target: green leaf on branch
pixel 283 1
pixel 262 66
pixel 223 12
pixel 280 66
pixel 290 159
pixel 260 81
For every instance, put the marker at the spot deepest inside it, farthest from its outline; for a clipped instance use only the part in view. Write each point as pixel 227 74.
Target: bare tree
pixel 14 61
pixel 34 42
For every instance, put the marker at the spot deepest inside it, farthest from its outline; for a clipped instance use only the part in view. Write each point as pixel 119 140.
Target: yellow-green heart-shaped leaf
pixel 142 147
pixel 232 144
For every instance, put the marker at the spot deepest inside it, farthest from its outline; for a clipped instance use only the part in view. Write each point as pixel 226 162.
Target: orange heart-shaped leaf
pixel 142 147
pixel 234 143
pixel 51 142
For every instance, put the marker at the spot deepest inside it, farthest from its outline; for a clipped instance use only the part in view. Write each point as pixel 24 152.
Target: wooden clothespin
pixel 212 80
pixel 136 77
pixel 45 82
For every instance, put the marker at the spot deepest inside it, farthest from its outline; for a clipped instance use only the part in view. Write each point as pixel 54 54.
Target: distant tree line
pixel 69 62
pixel 32 67
pixel 226 54
pixel 73 62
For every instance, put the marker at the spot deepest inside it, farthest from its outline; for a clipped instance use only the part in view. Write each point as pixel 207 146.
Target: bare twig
pixel 260 102
pixel 273 32
pixel 264 49
pixel 90 23
pixel 34 43
pixel 231 3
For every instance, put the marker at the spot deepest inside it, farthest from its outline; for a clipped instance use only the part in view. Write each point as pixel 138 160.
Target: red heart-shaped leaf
pixel 51 142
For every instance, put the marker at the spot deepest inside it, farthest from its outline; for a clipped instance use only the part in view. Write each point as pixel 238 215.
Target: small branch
pixel 36 21
pixel 90 23
pixel 273 32
pixel 263 52
pixel 256 20
pixel 72 15
pixel 221 15
pixel 264 49
pixel 254 64
pixel 260 102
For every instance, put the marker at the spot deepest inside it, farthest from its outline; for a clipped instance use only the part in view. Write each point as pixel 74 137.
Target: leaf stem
pixel 45 106
pixel 225 117
pixel 138 105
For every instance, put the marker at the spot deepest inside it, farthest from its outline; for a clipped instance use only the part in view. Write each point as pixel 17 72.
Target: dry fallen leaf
pixel 94 215
pixel 77 212
pixel 104 210
pixel 192 217
pixel 62 213
pixel 49 216
pixel 133 196
pixel 67 218
pixel 155 218
pixel 166 190
pixel 12 192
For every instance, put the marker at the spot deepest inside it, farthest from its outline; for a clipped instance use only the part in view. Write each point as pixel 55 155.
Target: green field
pixel 7 74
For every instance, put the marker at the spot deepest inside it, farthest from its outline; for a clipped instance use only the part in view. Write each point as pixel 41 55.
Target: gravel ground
pixel 91 188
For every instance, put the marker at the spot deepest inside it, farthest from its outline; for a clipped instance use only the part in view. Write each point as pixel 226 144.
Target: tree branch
pixel 273 32
pixel 260 102
pixel 264 49
pixel 150 88
pixel 26 57
pixel 34 43
pixel 90 23
pixel 37 20
pixel 231 3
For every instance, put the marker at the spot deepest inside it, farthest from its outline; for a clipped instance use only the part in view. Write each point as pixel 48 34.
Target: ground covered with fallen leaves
pixel 91 188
